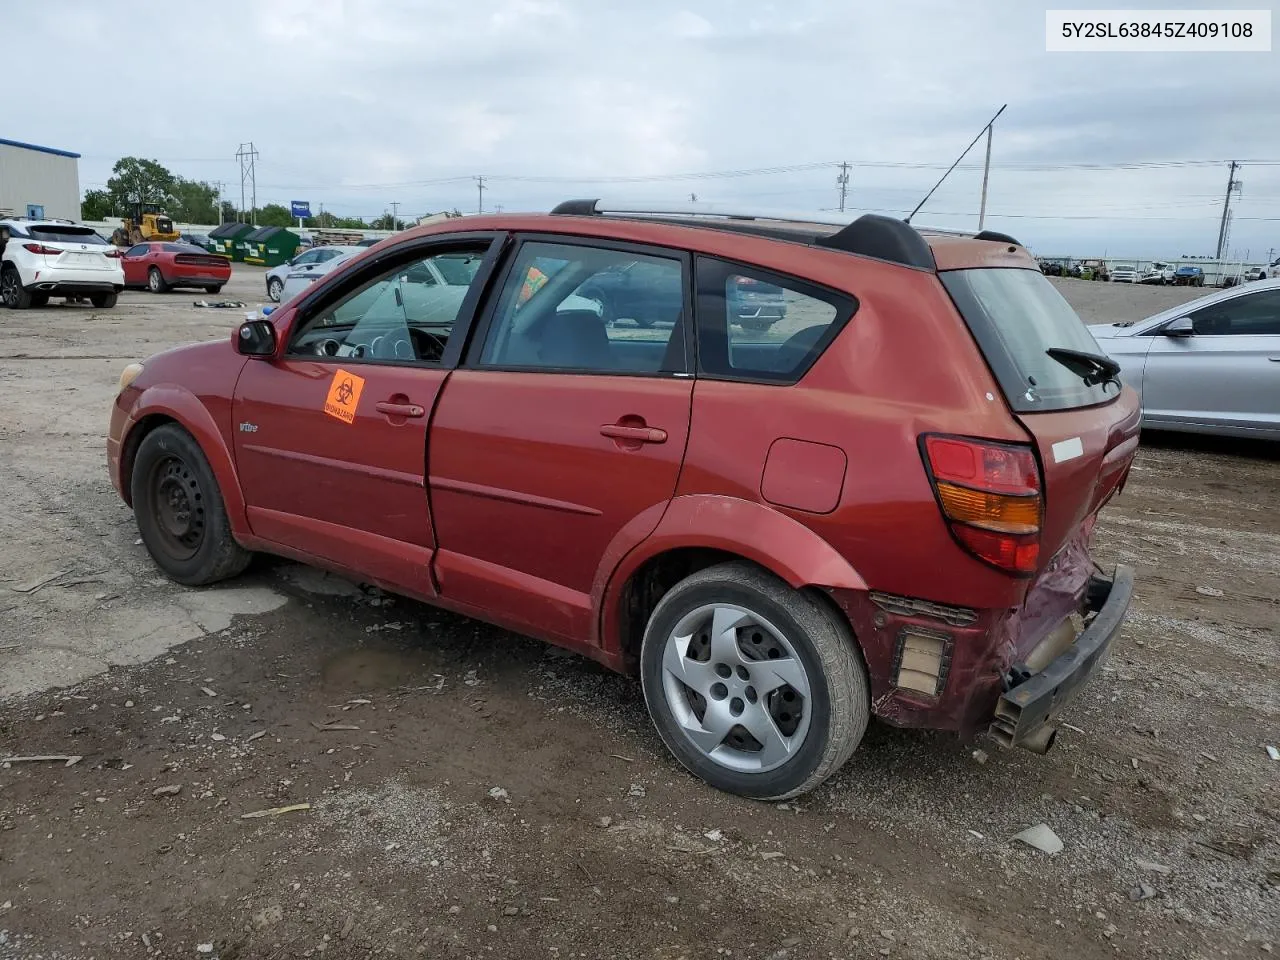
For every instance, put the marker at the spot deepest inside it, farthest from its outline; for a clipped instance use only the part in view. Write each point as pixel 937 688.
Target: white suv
pixel 40 259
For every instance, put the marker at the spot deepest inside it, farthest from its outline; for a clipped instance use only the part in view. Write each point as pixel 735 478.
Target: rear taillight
pixel 115 252
pixel 42 249
pixel 990 494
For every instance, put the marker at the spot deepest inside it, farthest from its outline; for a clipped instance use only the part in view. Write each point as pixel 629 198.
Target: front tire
pixel 274 286
pixel 179 509
pixel 155 281
pixel 104 301
pixel 215 289
pixel 755 687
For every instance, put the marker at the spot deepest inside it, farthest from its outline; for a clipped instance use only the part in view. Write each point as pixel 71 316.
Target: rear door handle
pixel 1274 359
pixel 391 409
pixel 634 434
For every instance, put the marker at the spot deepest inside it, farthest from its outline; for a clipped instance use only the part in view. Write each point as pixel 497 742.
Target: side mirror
pixel 1182 327
pixel 256 338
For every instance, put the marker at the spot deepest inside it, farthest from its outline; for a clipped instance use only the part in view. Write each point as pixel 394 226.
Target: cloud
pixel 357 103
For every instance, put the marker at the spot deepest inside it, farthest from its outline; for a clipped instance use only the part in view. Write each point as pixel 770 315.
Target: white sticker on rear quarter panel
pixel 1065 450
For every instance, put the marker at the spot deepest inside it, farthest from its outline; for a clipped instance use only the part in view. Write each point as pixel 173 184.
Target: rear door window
pixel 754 325
pixel 1015 316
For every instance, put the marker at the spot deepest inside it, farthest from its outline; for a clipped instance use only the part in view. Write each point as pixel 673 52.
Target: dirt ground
pixel 475 794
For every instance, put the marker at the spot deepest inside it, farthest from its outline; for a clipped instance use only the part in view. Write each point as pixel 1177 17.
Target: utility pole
pixel 395 219
pixel 1232 184
pixel 217 185
pixel 842 181
pixel 480 190
pixel 986 172
pixel 248 163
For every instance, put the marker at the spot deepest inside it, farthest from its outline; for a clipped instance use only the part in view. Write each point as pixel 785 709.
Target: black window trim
pixel 1158 329
pixel 481 329
pixel 845 303
pixel 385 262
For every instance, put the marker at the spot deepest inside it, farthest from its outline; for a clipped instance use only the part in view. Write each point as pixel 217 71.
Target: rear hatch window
pixel 58 233
pixel 1016 316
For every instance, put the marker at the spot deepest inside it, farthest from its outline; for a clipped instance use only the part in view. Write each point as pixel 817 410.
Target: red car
pixel 882 504
pixel 160 266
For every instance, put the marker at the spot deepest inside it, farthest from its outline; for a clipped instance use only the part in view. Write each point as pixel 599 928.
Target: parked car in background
pixel 40 259
pixel 197 240
pixel 1188 276
pixel 626 291
pixel 1255 273
pixel 755 305
pixel 1159 273
pixel 1274 269
pixel 299 279
pixel 888 511
pixel 161 266
pixel 1124 273
pixel 1208 366
pixel 307 260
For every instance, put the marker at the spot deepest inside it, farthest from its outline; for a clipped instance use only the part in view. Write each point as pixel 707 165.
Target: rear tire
pixel 756 325
pixel 104 301
pixel 155 281
pixel 11 289
pixel 180 512
pixel 774 662
pixel 215 289
pixel 39 299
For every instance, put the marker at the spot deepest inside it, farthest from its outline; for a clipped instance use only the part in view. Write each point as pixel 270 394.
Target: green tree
pixel 229 212
pixel 96 205
pixel 194 201
pixel 274 215
pixel 136 180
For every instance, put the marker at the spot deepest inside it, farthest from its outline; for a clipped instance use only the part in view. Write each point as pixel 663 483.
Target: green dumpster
pixel 271 246
pixel 224 238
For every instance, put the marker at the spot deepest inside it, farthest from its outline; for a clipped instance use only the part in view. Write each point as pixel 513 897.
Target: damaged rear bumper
pixel 1026 713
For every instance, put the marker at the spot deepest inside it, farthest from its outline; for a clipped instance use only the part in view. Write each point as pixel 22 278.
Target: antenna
pixel 985 128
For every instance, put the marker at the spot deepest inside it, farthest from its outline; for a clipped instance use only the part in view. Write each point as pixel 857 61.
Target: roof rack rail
pixel 868 235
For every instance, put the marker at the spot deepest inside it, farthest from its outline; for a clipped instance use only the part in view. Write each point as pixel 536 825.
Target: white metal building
pixel 38 181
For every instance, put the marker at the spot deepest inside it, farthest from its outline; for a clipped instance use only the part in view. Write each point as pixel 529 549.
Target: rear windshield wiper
pixel 1093 368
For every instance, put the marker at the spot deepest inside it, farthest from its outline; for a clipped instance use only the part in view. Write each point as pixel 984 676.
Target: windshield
pixel 57 233
pixel 1123 266
pixel 1015 316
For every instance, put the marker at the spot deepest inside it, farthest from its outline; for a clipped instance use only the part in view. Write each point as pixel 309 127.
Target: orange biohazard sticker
pixel 344 396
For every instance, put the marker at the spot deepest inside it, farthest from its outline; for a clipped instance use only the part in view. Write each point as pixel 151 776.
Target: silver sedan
pixel 1208 366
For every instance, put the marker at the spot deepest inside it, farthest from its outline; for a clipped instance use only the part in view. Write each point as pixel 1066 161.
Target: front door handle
pixel 392 409
pixel 1274 359
pixel 620 431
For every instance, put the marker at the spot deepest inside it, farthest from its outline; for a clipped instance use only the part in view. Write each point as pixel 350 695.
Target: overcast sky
pixel 355 103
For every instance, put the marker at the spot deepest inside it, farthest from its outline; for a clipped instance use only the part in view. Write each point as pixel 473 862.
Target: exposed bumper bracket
pixel 1026 712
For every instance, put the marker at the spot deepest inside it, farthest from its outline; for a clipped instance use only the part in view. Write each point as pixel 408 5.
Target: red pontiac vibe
pixel 881 503
pixel 158 266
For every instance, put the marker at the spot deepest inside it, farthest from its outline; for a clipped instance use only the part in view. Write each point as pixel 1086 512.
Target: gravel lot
pixel 476 794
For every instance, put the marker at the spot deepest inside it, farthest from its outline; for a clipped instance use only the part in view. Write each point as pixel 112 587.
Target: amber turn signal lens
pixel 990 511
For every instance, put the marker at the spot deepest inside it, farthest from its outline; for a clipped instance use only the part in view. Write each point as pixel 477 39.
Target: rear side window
pixel 754 325
pixel 57 233
pixel 1015 316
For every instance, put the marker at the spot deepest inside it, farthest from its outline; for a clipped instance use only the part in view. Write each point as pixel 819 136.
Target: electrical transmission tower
pixel 248 156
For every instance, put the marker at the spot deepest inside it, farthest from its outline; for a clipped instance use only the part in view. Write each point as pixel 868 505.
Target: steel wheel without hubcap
pixel 737 688
pixel 177 505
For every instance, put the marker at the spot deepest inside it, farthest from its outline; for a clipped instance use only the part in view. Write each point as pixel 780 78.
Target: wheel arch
pixel 167 403
pixel 700 531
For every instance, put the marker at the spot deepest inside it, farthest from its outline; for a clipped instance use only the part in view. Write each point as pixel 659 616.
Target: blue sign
pixel 300 208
